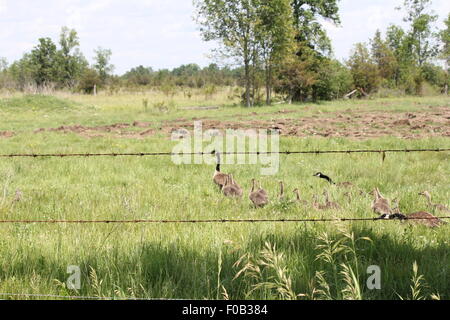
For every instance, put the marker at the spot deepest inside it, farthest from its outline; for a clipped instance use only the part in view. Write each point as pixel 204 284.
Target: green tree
pixel 444 36
pixel 307 15
pixel 71 61
pixel 139 75
pixel 363 68
pixel 297 77
pixel 43 62
pixel 385 58
pixel 422 36
pixel 232 22
pixel 88 80
pixel 102 63
pixel 275 36
pixel 333 80
pixel 3 64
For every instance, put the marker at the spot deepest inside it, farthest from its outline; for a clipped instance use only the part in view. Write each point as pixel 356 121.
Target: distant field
pixel 295 260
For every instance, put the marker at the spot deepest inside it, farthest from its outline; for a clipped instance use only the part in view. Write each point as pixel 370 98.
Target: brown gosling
pixel 236 185
pixel 259 197
pixel 426 219
pixel 18 196
pixel 330 204
pixel 380 205
pixel 261 190
pixel 281 195
pixel 317 205
pixel 230 189
pixel 298 199
pixel 219 178
pixel 434 206
pixel 421 217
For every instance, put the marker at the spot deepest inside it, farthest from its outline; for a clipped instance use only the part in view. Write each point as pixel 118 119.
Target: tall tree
pixel 102 63
pixel 70 59
pixel 232 23
pixel 307 16
pixel 384 57
pixel 363 68
pixel 275 35
pixel 44 62
pixel 422 36
pixel 445 49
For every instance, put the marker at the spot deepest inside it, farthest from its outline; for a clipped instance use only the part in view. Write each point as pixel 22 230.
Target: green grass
pixel 199 261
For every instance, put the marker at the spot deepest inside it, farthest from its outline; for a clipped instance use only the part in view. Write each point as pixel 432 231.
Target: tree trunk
pixel 268 84
pixel 247 83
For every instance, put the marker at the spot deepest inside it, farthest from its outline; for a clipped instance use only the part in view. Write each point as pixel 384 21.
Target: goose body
pixel 380 205
pixel 230 189
pixel 339 184
pixel 330 204
pixel 317 205
pixel 426 219
pixel 281 195
pixel 435 206
pixel 219 178
pixel 259 198
pixel 298 199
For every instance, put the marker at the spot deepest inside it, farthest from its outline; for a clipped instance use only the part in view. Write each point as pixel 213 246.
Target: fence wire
pixel 156 154
pixel 218 221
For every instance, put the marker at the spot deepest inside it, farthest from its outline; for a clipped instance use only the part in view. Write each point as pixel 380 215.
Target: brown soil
pixel 6 134
pixel 355 124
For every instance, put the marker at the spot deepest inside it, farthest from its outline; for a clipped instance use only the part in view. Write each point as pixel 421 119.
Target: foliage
pixel 102 63
pixel 363 68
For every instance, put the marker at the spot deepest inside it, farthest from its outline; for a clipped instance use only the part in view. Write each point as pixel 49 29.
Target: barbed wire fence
pixel 217 221
pixel 160 154
pixel 383 152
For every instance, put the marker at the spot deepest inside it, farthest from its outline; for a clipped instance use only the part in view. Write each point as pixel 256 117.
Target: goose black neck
pixel 327 178
pixel 218 167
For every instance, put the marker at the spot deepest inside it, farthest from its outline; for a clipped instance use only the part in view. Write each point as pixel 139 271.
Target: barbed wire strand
pixel 215 220
pixel 155 154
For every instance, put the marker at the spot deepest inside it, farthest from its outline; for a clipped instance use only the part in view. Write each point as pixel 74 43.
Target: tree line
pixel 283 47
pixel 277 46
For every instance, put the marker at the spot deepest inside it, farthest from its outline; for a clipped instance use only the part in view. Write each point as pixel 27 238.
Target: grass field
pixel 203 261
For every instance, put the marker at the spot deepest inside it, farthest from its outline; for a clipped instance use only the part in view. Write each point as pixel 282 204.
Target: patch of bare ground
pixel 6 134
pixel 354 124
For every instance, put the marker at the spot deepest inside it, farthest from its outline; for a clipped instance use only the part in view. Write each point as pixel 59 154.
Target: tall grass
pixel 272 261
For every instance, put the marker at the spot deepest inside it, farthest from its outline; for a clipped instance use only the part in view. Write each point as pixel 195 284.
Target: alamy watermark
pixel 249 147
pixel 374 280
pixel 74 280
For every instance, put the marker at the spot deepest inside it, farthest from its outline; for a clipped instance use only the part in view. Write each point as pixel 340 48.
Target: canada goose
pixel 258 197
pixel 298 199
pixel 435 206
pixel 322 176
pixel 18 196
pixel 261 190
pixel 219 178
pixel 330 204
pixel 281 195
pixel 317 205
pixel 340 184
pixel 426 219
pixel 380 205
pixel 420 217
pixel 230 189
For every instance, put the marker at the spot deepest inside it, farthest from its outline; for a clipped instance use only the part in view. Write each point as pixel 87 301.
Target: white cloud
pixel 3 6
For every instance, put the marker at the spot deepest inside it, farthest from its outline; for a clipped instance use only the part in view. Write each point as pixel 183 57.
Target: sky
pixel 163 33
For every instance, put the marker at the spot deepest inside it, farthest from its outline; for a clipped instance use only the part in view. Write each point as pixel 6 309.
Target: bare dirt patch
pixel 355 124
pixel 6 134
